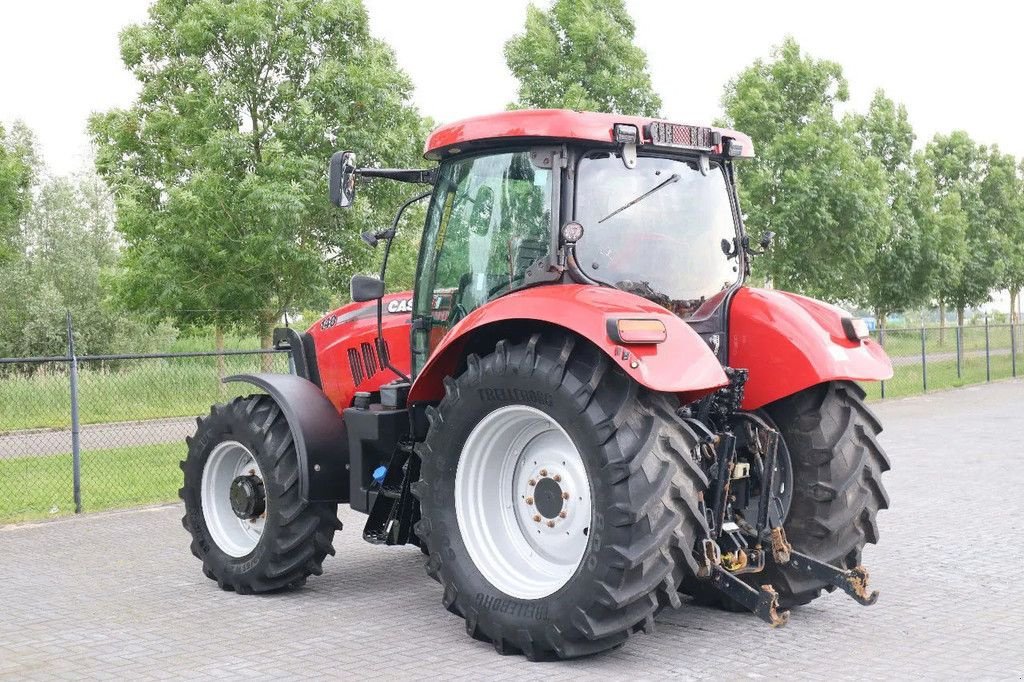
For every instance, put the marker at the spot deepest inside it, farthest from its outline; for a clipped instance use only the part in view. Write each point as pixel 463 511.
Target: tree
pixel 1002 197
pixel 219 165
pixel 811 183
pixel 67 250
pixel 17 170
pixel 580 55
pixel 943 242
pixel 958 166
pixel 897 274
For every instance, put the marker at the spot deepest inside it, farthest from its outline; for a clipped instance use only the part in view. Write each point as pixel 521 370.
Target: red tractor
pixel 578 414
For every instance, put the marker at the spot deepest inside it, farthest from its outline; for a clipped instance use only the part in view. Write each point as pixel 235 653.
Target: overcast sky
pixel 955 65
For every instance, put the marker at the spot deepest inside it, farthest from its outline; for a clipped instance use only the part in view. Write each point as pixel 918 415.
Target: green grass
pixel 41 487
pixel 907 379
pixel 907 342
pixel 124 391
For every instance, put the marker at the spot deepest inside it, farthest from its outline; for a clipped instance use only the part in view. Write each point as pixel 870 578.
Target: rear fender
pixel 790 342
pixel 317 429
pixel 682 364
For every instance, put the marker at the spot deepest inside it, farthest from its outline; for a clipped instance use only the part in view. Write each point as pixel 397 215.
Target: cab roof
pixel 550 124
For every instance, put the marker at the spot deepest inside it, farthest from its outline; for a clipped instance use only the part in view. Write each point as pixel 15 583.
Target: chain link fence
pixel 103 432
pixel 134 411
pixel 935 358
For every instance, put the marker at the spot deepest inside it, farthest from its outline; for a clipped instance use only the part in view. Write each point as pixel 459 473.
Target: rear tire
pixel 644 488
pixel 276 549
pixel 832 437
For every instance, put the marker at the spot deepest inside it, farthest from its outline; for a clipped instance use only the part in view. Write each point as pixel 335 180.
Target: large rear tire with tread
pixel 282 546
pixel 837 464
pixel 645 488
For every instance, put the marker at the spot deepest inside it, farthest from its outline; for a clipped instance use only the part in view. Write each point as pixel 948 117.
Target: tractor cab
pixel 522 199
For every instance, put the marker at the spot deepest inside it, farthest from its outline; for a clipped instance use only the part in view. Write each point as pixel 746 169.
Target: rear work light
pixel 682 136
pixel 856 329
pixel 637 331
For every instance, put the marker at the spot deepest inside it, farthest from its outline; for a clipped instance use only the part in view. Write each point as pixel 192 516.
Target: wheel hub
pixel 548 498
pixel 248 498
pixel 523 501
pixel 234 498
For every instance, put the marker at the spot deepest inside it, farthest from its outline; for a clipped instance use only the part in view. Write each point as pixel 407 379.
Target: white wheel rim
pixel 500 492
pixel 234 536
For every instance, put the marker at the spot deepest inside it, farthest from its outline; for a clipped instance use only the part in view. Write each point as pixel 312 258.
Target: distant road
pixel 37 442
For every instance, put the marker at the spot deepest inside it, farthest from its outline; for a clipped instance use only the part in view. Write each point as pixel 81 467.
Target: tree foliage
pixel 811 183
pixel 67 250
pixel 958 166
pixel 219 166
pixel 579 54
pixel 17 169
pixel 1002 198
pixel 896 274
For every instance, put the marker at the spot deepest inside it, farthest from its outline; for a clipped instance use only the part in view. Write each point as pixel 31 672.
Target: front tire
pixel 569 584
pixel 249 526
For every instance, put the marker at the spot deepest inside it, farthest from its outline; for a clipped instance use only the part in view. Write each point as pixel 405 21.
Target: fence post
pixel 959 353
pixel 1013 349
pixel 881 342
pixel 924 364
pixel 76 449
pixel 988 355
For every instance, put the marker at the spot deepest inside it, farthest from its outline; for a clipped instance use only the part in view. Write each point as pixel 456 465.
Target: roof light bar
pixel 682 136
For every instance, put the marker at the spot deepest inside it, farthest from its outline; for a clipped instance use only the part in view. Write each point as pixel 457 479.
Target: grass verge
pixel 34 488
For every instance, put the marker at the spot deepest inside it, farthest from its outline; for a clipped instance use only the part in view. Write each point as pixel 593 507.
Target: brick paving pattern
pixel 119 596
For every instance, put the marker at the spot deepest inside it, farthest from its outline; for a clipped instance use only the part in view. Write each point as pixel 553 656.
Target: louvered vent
pixel 369 359
pixel 356 365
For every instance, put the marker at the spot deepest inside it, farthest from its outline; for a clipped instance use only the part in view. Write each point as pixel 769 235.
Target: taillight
pixel 643 330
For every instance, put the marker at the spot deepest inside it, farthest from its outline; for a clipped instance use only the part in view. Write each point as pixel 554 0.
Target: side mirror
pixel 366 288
pixel 341 179
pixel 767 238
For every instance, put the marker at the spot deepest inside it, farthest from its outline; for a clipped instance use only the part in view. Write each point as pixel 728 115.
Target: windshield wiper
pixel 668 181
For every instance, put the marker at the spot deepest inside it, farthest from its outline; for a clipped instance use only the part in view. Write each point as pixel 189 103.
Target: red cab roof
pixel 561 124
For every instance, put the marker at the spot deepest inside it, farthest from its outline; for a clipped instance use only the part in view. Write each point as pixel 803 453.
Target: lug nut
pixel 543 472
pixel 529 500
pixel 565 495
pixel 551 524
pixel 532 482
pixel 562 514
pixel 536 517
pixel 557 478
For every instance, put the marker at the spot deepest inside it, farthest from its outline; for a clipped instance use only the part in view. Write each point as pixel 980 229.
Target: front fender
pixel 317 429
pixel 682 364
pixel 790 342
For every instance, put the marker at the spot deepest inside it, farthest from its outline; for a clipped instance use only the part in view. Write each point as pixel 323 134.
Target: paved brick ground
pixel 119 596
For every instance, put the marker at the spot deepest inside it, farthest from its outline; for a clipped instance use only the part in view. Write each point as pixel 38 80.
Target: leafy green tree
pixel 1002 198
pixel 16 176
pixel 897 274
pixel 219 166
pixel 943 227
pixel 958 165
pixel 68 250
pixel 579 54
pixel 811 183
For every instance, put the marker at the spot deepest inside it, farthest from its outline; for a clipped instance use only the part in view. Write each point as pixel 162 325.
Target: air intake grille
pixel 356 366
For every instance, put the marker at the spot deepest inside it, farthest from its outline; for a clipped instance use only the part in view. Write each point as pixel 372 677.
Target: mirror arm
pixel 420 176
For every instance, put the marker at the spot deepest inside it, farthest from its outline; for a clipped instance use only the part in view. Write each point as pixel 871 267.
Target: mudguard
pixel 682 364
pixel 318 431
pixel 790 342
